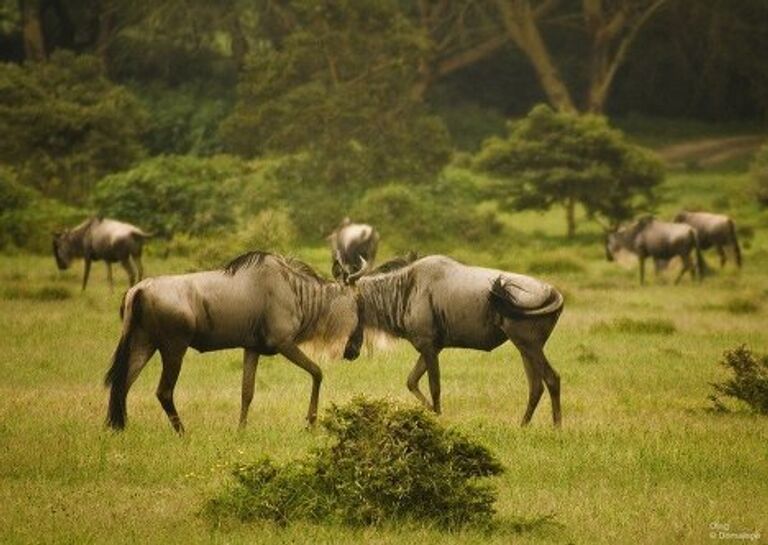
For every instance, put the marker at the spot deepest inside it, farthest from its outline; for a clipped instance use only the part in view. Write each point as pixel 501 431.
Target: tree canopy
pixel 552 158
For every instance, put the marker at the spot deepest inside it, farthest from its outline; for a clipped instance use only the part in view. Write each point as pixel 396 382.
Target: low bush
pixel 749 382
pixel 385 463
pixel 176 194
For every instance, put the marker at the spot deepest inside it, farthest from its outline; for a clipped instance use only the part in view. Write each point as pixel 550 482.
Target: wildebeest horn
pixel 352 278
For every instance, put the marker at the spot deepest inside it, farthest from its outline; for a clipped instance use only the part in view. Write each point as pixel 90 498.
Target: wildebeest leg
pixel 535 387
pixel 139 266
pixel 86 272
pixel 126 263
pixel 721 253
pixel 433 373
pixel 642 269
pixel 295 355
pixel 250 362
pixel 109 276
pixel 413 380
pixel 172 358
pixel 687 266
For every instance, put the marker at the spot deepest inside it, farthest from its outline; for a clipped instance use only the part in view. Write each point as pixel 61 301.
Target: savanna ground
pixel 640 458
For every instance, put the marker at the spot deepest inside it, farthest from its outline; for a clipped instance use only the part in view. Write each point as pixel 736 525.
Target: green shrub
pixel 176 194
pixel 749 382
pixel 651 326
pixel 65 125
pixel 385 463
pixel 27 219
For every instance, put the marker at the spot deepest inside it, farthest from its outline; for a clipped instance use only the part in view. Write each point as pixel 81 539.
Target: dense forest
pixel 310 110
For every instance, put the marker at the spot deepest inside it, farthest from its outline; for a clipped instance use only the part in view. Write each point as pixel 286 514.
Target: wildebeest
pixel 659 240
pixel 715 230
pixel 101 239
pixel 264 303
pixel 353 247
pixel 436 303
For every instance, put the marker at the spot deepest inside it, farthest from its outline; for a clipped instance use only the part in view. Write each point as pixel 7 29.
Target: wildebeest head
pixel 345 275
pixel 62 250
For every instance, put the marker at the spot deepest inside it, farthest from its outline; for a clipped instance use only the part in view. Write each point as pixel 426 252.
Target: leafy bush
pixel 66 125
pixel 175 194
pixel 385 463
pixel 27 219
pixel 749 382
pixel 651 326
pixel 554 158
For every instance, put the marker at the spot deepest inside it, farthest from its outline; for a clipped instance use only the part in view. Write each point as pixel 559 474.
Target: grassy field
pixel 640 458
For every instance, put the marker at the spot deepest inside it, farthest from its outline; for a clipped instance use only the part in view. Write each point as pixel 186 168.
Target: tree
pixel 610 26
pixel 66 125
pixel 333 87
pixel 554 158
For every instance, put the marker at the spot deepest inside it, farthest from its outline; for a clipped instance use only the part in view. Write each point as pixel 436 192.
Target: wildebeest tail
pixel 504 303
pixel 117 376
pixel 736 247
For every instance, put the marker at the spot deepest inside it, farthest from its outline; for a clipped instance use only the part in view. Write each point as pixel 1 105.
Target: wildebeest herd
pixel 269 304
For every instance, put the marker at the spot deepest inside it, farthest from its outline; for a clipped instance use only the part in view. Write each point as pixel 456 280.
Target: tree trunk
pixel 520 23
pixel 570 216
pixel 106 14
pixel 32 30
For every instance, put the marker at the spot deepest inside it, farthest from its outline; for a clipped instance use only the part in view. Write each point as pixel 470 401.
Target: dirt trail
pixel 711 151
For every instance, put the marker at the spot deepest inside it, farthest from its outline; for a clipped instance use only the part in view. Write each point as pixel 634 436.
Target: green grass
pixel 640 458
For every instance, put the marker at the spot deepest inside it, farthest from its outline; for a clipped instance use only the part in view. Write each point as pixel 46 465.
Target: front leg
pixel 413 380
pixel 250 362
pixel 642 269
pixel 433 373
pixel 86 272
pixel 292 352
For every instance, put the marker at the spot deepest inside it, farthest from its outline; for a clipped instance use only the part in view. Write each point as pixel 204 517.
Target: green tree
pixel 66 125
pixel 334 87
pixel 553 158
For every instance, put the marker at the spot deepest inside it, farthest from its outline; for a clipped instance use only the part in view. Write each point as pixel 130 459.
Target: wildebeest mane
pixel 257 257
pixel 396 263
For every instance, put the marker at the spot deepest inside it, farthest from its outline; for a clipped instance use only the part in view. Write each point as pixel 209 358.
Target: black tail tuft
pixel 117 375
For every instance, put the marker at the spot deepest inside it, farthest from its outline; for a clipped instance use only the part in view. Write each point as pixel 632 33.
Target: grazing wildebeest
pixel 436 303
pixel 101 239
pixel 715 230
pixel 264 303
pixel 352 244
pixel 659 240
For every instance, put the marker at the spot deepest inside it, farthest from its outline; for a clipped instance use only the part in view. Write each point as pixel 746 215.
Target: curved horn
pixel 363 269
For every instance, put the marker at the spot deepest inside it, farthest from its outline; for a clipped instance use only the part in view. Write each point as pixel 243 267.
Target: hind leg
pixel 413 381
pixel 535 388
pixel 141 351
pixel 126 263
pixel 109 277
pixel 687 266
pixel 172 358
pixel 139 265
pixel 250 362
